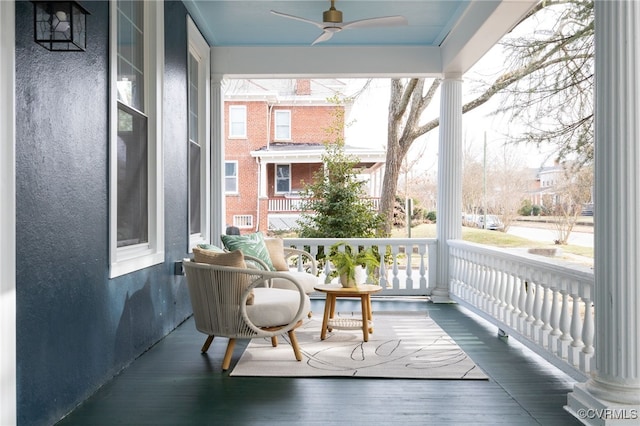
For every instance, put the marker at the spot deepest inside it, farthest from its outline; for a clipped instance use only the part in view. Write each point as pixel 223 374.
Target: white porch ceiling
pixel 443 38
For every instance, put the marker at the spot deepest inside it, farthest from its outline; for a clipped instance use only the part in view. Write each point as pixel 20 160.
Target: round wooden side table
pixel 362 291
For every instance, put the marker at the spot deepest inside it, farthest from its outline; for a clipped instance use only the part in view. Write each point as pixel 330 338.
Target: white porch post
pixel 262 191
pixel 218 209
pixel 612 395
pixel 449 209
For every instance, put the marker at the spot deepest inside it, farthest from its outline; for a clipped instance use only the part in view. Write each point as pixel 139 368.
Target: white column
pixel 449 221
pixel 218 209
pixel 612 395
pixel 263 180
pixel 8 370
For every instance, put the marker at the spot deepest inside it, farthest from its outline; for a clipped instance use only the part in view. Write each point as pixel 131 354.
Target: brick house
pixel 275 132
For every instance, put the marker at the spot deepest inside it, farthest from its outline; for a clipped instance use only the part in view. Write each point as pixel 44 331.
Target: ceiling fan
pixel 332 22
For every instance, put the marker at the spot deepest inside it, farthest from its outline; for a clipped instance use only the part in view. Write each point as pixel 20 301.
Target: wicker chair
pixel 219 299
pixel 303 268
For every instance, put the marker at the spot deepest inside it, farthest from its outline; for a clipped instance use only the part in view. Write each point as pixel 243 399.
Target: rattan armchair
pixel 219 297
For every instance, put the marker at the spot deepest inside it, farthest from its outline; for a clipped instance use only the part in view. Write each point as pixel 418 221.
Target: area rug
pixel 401 346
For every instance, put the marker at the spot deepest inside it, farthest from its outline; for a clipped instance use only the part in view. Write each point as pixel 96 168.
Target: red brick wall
pixel 308 125
pixel 245 202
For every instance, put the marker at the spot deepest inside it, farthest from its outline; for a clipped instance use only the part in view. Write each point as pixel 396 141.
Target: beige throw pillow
pixel 233 259
pixel 276 253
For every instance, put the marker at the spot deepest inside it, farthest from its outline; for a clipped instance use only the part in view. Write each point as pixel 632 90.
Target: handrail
pixel 408 265
pixel 547 304
pixel 296 204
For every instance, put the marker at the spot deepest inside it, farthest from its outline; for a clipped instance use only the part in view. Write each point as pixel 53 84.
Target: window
pixel 243 220
pixel 199 131
pixel 237 121
pixel 283 178
pixel 231 177
pixel 283 125
pixel 136 198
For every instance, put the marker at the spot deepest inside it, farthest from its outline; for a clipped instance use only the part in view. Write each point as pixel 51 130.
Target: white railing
pixel 409 266
pixel 545 304
pixel 296 204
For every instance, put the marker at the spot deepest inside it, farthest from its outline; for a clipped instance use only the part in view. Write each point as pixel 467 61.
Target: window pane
pixel 282 178
pixel 195 156
pixel 132 178
pixel 131 54
pixel 230 177
pixel 195 214
pixel 193 98
pixel 283 125
pixel 237 121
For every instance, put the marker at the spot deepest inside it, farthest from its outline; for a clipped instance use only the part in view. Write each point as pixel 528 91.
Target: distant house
pixel 283 125
pixel 542 191
pixel 548 188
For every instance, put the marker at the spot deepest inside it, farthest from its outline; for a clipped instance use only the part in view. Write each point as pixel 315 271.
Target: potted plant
pixel 347 260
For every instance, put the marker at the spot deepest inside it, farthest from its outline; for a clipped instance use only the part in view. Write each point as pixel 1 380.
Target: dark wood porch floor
pixel 173 384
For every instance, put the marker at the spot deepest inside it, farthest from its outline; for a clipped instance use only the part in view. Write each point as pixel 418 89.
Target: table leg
pixel 325 319
pixel 370 312
pixel 365 317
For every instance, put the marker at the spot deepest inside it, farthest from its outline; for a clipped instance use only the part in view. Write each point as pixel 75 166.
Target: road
pixel 548 234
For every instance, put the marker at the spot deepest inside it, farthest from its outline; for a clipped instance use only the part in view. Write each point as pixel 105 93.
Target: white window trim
pixel 199 48
pixel 237 191
pixel 275 178
pixel 244 134
pixel 275 129
pixel 8 363
pixel 124 260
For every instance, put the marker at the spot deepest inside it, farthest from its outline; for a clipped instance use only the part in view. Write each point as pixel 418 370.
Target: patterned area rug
pixel 401 346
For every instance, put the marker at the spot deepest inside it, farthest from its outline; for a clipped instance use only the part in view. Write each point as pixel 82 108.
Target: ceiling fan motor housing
pixel 332 15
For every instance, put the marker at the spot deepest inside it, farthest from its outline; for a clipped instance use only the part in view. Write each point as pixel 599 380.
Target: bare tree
pixel 571 192
pixel 508 182
pixel 472 177
pixel 545 72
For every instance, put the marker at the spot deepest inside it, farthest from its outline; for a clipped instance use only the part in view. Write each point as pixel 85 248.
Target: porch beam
pixel 326 61
pixel 612 395
pixel 449 223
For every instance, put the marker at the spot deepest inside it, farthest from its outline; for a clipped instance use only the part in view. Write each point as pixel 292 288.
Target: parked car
pixel 469 220
pixel 493 223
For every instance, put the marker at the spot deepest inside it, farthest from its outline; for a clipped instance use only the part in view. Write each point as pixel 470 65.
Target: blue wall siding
pixel 76 327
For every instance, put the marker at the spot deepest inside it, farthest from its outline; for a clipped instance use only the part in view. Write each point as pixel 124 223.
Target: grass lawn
pixel 493 238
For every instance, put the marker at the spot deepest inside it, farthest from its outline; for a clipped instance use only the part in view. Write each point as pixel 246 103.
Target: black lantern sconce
pixel 60 25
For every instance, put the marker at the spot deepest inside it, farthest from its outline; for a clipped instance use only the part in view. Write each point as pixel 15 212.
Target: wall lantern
pixel 60 25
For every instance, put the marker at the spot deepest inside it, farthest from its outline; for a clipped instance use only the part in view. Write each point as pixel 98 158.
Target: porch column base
pixel 593 411
pixel 440 295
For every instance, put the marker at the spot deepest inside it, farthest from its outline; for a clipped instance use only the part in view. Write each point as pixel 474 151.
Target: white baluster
pixel 408 249
pixel 576 331
pixel 422 249
pixel 587 337
pixel 538 295
pixel 565 325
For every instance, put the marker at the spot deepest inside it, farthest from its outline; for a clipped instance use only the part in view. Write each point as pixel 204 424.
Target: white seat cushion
pixel 307 280
pixel 273 307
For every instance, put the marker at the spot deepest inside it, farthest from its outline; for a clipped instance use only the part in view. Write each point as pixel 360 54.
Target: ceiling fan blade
pixel 297 18
pixel 326 35
pixel 384 21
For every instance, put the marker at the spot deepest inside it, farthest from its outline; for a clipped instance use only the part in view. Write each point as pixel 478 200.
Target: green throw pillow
pixel 211 247
pixel 250 245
